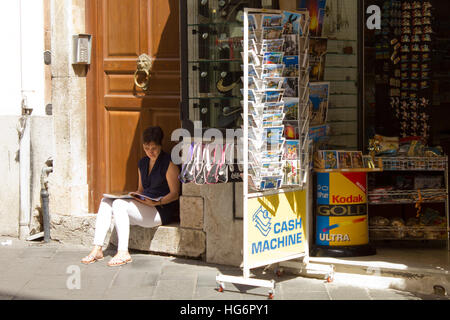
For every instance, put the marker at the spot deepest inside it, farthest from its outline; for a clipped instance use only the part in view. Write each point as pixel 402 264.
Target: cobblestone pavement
pixel 36 271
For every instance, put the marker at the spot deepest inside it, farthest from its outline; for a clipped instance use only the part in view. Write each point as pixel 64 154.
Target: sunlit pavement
pixel 35 271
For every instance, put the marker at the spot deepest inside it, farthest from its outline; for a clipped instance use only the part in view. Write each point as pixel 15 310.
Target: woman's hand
pixel 148 202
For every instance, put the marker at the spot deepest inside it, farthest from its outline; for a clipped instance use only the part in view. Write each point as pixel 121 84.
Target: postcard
pixel 272 167
pixel 272 20
pixel 272 33
pixel 272 70
pixel 290 86
pixel 251 45
pixel 290 46
pixel 317 133
pixel 331 159
pixel 316 9
pixel 291 66
pixel 291 130
pixel 292 23
pixel 253 120
pixel 317 56
pixel 291 172
pixel 271 182
pixel 272 83
pixel 318 96
pixel 272 96
pixel 252 71
pixel 253 108
pixel 357 159
pixel 253 83
pixel 273 57
pixel 272 119
pixel 272 45
pixel 252 22
pixel 274 134
pixel 273 107
pixel 252 58
pixel 253 96
pixel 291 149
pixel 345 160
pixel 291 108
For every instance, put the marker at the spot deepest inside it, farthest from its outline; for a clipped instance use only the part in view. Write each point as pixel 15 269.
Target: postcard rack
pixel 276 144
pixel 276 101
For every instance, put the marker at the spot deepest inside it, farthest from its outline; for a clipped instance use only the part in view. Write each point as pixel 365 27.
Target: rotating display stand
pixel 276 145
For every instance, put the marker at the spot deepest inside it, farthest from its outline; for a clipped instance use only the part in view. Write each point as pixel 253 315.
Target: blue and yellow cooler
pixel 341 215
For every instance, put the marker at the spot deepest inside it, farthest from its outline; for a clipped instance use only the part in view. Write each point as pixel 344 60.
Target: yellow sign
pixel 276 227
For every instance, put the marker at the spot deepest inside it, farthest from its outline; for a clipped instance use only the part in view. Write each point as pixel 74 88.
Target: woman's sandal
pixel 116 261
pixel 90 259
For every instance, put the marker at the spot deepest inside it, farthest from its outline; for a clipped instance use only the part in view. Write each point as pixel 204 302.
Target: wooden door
pixel 117 110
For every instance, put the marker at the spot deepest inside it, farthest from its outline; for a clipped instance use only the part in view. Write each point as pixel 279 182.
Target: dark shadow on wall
pixel 160 103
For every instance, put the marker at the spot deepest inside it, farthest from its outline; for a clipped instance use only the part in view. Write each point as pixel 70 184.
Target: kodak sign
pixel 347 200
pixel 341 188
pixel 341 212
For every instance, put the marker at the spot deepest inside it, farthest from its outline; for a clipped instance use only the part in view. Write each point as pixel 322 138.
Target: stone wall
pixel 68 186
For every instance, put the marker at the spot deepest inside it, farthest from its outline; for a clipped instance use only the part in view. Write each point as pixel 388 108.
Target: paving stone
pixel 305 285
pixel 210 293
pixel 37 253
pixel 293 294
pixel 347 293
pixel 174 289
pixel 129 279
pixel 128 293
pixel 377 294
pixel 48 282
pixel 206 279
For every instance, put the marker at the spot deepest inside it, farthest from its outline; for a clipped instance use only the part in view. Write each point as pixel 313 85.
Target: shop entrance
pixel 118 109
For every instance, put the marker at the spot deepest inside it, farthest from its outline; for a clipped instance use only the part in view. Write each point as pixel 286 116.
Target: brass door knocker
pixel 142 73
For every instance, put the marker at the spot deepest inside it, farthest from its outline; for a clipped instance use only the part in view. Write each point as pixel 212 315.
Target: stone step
pixel 169 239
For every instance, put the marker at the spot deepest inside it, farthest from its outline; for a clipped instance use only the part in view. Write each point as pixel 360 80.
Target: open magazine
pixel 129 195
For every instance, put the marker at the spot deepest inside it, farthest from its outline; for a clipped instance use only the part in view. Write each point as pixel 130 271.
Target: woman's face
pixel 152 150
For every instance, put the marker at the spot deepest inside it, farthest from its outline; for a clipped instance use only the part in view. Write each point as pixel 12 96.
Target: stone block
pixel 224 233
pixel 170 239
pixel 76 229
pixel 191 212
pixel 192 189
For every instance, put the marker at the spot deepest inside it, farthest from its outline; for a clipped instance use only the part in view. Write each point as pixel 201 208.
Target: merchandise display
pixel 404 49
pixel 340 159
pixel 208 163
pixel 277 86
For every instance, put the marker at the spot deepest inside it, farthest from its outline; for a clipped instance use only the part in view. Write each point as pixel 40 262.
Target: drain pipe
pixel 24 131
pixel 46 170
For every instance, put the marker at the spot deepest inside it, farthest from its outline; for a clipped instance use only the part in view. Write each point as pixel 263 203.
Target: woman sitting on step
pixel 158 178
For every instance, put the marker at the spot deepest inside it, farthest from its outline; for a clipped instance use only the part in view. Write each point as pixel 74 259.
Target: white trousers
pixel 126 212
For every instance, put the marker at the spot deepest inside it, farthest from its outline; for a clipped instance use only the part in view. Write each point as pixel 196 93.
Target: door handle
pixel 144 65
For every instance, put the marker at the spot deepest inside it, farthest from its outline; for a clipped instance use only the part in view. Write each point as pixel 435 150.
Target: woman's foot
pixel 95 255
pixel 119 259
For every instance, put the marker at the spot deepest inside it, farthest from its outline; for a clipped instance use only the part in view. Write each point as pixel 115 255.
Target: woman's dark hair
pixel 153 134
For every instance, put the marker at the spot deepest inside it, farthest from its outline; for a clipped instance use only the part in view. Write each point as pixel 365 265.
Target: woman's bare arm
pixel 140 187
pixel 174 184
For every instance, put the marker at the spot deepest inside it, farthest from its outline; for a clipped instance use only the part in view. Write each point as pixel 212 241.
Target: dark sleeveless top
pixel 155 185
